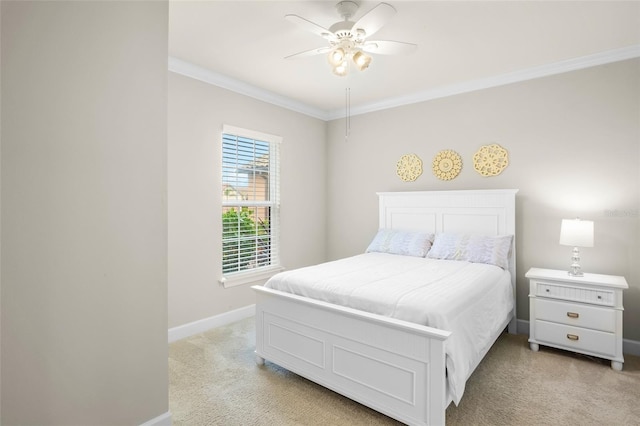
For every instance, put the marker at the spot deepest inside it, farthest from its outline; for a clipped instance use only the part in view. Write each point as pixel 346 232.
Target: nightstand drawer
pixel 574 293
pixel 577 315
pixel 575 338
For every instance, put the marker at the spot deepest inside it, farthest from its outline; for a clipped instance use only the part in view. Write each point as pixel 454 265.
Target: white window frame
pixel 261 273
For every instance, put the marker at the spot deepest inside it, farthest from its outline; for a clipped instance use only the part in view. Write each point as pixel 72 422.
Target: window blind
pixel 250 201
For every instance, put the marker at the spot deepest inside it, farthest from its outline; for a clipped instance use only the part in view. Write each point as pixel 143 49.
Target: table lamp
pixel 576 233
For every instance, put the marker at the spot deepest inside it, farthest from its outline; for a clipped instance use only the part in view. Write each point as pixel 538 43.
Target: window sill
pixel 249 277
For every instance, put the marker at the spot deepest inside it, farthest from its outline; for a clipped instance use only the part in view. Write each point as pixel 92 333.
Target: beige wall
pixel 574 146
pixel 197 112
pixel 0 214
pixel 84 222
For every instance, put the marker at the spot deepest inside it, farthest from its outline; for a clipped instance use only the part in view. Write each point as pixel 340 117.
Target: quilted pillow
pixel 494 250
pixel 407 243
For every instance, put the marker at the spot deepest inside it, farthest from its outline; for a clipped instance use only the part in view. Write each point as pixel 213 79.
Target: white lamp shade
pixel 576 233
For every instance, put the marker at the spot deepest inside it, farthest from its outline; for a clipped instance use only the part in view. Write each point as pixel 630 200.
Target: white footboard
pixel 392 366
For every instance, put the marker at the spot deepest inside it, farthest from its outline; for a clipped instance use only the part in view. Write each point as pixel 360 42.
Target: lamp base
pixel 575 265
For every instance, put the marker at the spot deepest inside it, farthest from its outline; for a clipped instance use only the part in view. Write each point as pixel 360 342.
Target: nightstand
pixel 580 314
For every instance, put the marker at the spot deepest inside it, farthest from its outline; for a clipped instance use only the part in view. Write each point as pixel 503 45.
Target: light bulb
pixel 361 60
pixel 336 56
pixel 341 69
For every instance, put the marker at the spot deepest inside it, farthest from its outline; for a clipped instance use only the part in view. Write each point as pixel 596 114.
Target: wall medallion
pixel 490 160
pixel 409 167
pixel 447 164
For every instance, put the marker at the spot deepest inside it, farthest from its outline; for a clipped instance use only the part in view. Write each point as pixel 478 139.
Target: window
pixel 250 205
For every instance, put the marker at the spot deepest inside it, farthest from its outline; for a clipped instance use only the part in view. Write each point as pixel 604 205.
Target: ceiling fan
pixel 348 40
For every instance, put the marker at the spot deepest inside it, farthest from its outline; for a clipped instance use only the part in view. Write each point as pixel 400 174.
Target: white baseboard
pixel 523 327
pixel 161 420
pixel 631 347
pixel 186 330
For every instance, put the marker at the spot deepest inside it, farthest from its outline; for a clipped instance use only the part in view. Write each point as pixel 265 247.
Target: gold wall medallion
pixel 490 160
pixel 447 164
pixel 409 167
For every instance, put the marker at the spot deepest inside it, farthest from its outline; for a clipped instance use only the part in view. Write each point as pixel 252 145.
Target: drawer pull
pixel 573 315
pixel 573 337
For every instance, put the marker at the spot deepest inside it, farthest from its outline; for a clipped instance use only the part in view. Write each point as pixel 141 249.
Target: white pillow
pixel 407 243
pixel 494 250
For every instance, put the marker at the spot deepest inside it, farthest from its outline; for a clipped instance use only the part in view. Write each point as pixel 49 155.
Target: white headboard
pixel 486 212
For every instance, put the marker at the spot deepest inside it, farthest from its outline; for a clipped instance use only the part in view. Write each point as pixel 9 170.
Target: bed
pixel 379 355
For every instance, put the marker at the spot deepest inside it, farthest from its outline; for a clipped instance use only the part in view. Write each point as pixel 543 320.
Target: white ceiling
pixel 462 44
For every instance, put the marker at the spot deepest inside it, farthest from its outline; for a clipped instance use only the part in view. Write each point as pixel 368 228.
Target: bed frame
pixel 392 366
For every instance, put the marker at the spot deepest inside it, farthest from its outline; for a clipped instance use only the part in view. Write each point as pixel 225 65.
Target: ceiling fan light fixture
pixel 337 56
pixel 362 60
pixel 348 40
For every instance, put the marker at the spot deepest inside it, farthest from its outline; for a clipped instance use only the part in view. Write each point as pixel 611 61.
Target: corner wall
pixel 84 222
pixel 574 150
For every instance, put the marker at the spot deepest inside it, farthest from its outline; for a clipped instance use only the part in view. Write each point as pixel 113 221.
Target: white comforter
pixel 469 299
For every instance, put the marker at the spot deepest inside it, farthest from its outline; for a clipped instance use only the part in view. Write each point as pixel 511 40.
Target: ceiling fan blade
pixel 389 47
pixel 373 20
pixel 308 53
pixel 310 26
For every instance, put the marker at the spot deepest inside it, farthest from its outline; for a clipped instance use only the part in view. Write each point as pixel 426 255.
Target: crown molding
pixel 196 72
pixel 199 73
pixel 546 70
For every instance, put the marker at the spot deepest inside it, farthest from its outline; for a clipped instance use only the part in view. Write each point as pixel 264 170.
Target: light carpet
pixel 215 381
